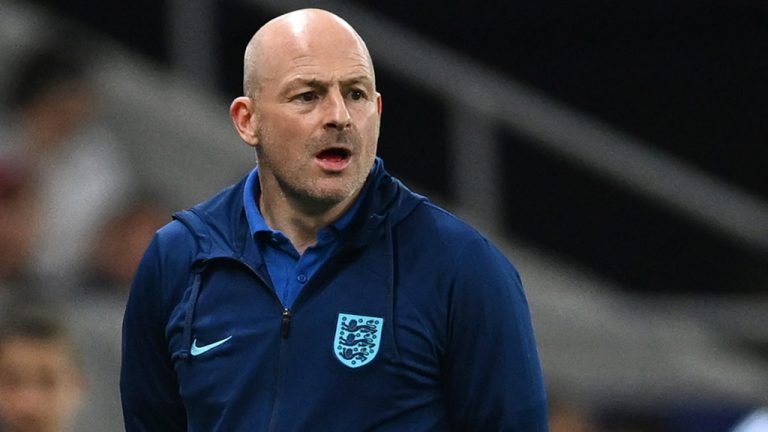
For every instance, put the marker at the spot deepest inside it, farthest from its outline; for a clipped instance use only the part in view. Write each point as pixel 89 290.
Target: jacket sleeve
pixel 148 385
pixel 494 380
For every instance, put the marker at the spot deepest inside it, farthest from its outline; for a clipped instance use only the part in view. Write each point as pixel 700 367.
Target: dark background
pixel 688 77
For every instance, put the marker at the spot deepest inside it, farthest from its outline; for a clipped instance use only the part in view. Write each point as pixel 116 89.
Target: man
pixel 74 162
pixel 319 294
pixel 41 384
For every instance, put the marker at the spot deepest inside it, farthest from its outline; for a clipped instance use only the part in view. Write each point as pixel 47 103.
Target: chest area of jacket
pixel 352 329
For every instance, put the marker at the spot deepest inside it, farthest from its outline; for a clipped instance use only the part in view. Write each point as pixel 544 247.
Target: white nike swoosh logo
pixel 196 350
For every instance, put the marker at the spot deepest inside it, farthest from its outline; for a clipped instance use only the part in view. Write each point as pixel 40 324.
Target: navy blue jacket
pixel 416 323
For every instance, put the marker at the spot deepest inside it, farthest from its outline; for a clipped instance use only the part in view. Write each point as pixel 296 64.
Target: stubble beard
pixel 313 193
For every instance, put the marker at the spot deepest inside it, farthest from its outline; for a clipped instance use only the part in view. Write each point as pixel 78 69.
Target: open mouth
pixel 334 155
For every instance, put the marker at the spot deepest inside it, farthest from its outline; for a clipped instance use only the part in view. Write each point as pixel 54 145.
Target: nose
pixel 337 112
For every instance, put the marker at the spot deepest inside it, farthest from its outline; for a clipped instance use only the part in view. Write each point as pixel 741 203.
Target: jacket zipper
pixel 285 329
pixel 285 323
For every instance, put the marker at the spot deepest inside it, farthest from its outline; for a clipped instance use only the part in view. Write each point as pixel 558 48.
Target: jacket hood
pixel 221 229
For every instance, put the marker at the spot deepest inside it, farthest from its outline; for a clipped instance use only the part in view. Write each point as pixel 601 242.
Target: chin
pixel 332 195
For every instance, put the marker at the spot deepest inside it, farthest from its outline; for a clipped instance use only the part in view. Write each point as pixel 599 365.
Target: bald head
pixel 295 33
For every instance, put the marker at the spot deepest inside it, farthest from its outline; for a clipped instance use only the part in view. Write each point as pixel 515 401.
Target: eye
pixel 306 97
pixel 357 94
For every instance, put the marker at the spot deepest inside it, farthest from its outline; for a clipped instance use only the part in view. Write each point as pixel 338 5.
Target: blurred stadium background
pixel 617 151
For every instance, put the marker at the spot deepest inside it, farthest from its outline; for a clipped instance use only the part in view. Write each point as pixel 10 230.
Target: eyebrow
pixel 317 83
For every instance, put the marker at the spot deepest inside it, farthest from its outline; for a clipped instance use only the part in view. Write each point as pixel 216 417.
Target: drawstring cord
pixel 392 282
pixel 189 317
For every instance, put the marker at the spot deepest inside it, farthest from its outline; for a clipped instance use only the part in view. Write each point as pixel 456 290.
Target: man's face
pixel 40 387
pixel 317 118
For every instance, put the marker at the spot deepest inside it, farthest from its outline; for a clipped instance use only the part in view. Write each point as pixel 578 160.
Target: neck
pixel 299 219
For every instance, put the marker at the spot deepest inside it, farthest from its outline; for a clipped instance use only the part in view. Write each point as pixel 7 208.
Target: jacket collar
pixel 221 227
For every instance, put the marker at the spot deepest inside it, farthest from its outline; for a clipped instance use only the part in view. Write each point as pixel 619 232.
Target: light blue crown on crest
pixel 357 339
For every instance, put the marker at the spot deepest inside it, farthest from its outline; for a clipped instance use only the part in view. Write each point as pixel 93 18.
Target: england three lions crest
pixel 357 339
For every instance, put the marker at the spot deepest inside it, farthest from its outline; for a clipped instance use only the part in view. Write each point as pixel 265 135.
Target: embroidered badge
pixel 357 339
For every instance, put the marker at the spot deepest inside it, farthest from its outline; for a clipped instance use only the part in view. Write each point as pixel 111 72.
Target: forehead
pixel 321 51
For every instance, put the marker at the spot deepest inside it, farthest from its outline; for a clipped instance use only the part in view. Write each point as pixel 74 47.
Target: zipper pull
pixel 285 323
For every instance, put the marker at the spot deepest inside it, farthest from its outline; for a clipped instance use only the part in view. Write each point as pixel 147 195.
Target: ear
pixel 244 120
pixel 378 103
